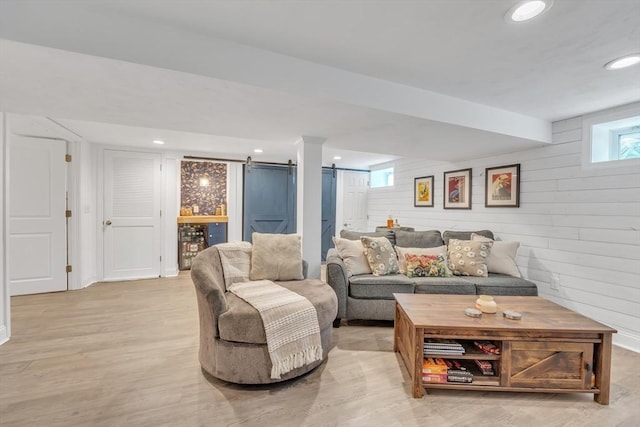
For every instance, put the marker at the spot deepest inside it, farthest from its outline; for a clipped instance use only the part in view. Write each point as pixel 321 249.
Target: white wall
pixel 581 224
pixel 87 162
pixel 5 312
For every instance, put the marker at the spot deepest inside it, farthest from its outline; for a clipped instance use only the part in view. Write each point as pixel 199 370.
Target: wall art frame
pixel 423 191
pixel 502 186
pixel 457 189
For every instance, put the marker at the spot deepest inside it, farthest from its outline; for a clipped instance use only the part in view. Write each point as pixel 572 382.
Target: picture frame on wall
pixel 502 187
pixel 457 189
pixel 423 192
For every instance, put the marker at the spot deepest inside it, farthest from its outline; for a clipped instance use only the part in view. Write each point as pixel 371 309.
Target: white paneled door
pixel 354 202
pixel 37 223
pixel 131 220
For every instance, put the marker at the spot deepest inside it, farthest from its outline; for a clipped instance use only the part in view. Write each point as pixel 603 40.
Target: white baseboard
pixel 624 340
pixel 3 335
pixel 171 272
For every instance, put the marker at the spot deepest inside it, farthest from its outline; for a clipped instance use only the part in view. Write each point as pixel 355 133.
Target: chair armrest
pixel 338 280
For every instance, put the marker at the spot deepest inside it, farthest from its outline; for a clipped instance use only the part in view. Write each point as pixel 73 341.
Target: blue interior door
pixel 269 200
pixel 328 210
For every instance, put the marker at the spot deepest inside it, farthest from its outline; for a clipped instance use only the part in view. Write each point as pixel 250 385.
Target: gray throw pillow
pixel 355 235
pixel 380 254
pixel 276 257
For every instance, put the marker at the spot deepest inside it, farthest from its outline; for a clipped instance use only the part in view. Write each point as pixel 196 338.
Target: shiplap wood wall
pixel 580 224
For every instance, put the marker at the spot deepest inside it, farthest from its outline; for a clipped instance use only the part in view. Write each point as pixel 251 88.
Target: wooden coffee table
pixel 551 349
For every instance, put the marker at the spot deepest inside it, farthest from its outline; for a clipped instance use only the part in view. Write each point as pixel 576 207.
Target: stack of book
pixel 456 373
pixel 444 347
pixel 434 370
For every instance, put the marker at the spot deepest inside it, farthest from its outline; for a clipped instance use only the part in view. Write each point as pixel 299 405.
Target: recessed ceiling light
pixel 258 150
pixel 157 141
pixel 624 62
pixel 528 9
pixel 337 158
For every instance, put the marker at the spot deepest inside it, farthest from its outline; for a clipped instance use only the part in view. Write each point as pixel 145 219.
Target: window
pixel 612 137
pixel 382 178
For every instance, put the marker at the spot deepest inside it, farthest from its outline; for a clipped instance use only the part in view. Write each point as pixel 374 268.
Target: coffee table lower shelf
pixel 573 359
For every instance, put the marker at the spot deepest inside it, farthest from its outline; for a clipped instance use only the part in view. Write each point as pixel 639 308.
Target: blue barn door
pixel 328 209
pixel 269 200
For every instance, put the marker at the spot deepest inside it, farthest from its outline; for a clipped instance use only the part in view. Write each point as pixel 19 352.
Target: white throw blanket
pixel 290 323
pixel 236 261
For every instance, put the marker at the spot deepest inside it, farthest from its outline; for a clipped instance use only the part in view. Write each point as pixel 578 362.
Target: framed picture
pixel 457 189
pixel 502 187
pixel 423 192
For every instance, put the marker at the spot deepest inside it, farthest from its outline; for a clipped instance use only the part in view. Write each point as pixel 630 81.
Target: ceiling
pixel 442 80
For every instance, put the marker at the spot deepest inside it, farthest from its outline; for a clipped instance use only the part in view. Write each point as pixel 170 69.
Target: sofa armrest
pixel 338 280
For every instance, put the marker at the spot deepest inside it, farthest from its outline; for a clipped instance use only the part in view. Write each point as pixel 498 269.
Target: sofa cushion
pixel 502 258
pixel 379 287
pixel 355 235
pixel 352 254
pixel 464 235
pixel 380 254
pixel 501 284
pixel 419 239
pixel 242 322
pixel 276 257
pixel 468 258
pixel 443 285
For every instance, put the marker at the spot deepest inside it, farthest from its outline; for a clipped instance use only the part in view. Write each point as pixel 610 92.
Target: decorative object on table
pixel 472 312
pixel 513 315
pixel 184 211
pixel 502 187
pixel 390 221
pixel 457 189
pixel 423 192
pixel 486 304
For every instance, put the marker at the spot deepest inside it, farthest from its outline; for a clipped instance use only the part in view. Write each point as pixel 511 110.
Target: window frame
pixel 591 120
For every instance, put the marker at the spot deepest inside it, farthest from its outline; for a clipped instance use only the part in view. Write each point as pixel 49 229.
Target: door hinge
pixel 69 269
pixel 161 212
pixel 67 213
pixel 68 158
pixel 160 257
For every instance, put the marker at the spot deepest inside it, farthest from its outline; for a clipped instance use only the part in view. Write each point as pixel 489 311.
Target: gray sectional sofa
pixel 366 296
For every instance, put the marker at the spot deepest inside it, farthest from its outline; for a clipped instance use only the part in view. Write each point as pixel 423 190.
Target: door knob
pixel 107 222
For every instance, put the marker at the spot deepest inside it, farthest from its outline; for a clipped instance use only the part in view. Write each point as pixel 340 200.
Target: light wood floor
pixel 125 354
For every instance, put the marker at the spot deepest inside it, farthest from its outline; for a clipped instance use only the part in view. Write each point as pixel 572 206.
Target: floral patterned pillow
pixel 426 266
pixel 380 255
pixel 468 257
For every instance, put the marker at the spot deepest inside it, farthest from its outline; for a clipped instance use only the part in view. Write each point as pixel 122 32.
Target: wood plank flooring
pixel 125 354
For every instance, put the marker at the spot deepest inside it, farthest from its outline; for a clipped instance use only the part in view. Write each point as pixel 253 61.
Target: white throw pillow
pixel 502 258
pixel 352 254
pixel 402 261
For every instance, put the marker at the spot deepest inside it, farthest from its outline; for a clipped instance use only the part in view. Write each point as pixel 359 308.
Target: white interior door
pixel 131 221
pixel 354 200
pixel 37 223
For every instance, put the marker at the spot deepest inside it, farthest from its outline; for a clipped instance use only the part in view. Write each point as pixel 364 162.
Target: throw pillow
pixel 426 266
pixel 469 257
pixel 380 255
pixel 402 253
pixel 502 258
pixel 352 254
pixel 464 235
pixel 276 257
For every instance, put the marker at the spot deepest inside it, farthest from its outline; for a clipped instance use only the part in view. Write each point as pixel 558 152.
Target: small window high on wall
pixel 612 138
pixel 382 178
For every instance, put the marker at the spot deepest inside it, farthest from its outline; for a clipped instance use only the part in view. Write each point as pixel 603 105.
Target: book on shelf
pixel 435 351
pixel 442 343
pixel 485 367
pixel 434 366
pixel 487 347
pixel 459 378
pixel 435 378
